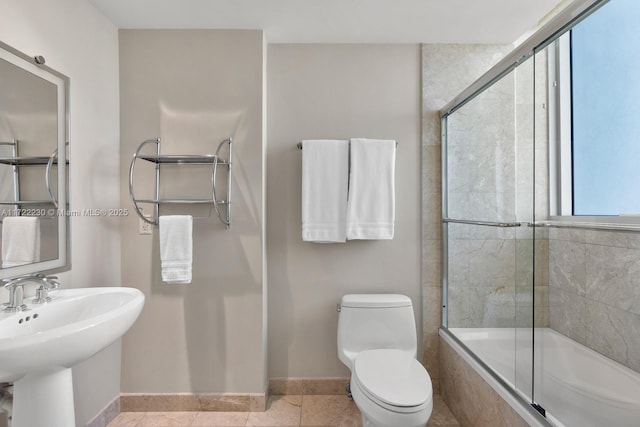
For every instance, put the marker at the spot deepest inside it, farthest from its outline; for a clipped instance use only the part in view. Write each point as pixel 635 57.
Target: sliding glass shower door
pixel 488 207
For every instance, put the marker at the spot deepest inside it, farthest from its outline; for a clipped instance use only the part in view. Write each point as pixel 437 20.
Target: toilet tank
pixel 375 321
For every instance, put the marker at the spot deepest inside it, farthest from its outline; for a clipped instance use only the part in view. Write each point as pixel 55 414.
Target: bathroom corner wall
pixel 193 88
pixel 336 91
pixel 80 43
pixel 446 71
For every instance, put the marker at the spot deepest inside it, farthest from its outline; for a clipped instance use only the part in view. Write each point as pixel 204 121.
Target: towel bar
pixel 299 145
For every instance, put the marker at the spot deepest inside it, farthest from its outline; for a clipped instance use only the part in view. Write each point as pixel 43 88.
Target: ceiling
pixel 341 21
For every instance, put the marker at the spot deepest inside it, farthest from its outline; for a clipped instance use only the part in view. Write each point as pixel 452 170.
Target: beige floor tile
pixel 167 419
pixel 282 411
pixel 220 419
pixel 441 415
pixel 127 419
pixel 329 411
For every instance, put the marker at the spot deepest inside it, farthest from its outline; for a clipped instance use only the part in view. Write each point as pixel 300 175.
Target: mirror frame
pixel 61 82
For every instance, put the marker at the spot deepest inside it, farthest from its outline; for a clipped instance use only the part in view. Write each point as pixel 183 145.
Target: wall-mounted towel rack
pixel 16 162
pixel 222 207
pixel 299 145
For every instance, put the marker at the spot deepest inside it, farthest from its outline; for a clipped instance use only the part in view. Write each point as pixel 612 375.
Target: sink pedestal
pixel 44 400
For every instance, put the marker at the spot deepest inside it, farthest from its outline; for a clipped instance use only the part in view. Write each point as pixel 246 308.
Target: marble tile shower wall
pixel 595 291
pixel 490 273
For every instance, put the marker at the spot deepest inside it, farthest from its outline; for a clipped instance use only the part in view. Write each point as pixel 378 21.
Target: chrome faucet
pixel 16 290
pixel 46 284
pixel 16 297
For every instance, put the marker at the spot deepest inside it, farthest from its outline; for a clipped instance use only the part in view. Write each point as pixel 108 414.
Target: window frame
pixel 560 123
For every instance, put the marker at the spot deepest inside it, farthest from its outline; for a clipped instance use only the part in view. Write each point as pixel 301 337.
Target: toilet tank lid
pixel 375 300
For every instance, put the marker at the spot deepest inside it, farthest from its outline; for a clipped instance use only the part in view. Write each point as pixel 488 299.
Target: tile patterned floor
pixel 282 411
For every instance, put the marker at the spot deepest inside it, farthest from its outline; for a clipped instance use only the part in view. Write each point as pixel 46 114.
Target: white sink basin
pixel 42 343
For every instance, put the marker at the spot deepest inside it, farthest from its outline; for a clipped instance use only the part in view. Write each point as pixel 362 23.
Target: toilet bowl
pixel 391 389
pixel 377 342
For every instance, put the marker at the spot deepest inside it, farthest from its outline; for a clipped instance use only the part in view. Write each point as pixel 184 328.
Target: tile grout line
pixel 301 405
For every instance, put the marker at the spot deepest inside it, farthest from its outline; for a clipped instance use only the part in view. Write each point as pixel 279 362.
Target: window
pixel 599 153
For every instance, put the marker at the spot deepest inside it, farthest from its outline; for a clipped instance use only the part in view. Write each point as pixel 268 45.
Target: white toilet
pixel 377 341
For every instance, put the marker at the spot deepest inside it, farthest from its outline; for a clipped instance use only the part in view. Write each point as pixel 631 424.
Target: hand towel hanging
pixel 176 248
pixel 325 173
pixel 371 204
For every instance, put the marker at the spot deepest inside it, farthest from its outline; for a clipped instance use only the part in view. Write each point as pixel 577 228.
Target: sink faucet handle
pixel 16 296
pixel 50 282
pixel 42 293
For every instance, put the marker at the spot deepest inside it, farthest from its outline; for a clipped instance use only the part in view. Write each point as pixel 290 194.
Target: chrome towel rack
pixel 222 207
pixel 299 145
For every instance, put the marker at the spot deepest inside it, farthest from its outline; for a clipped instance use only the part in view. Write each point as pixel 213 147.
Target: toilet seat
pixel 393 379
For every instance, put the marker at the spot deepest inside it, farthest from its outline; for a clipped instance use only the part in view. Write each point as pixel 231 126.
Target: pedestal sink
pixel 39 346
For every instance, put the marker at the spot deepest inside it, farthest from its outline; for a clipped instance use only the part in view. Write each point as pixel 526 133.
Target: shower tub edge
pixel 525 414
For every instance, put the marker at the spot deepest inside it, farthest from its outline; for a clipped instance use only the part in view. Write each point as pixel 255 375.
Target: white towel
pixel 20 240
pixel 371 205
pixel 325 174
pixel 176 248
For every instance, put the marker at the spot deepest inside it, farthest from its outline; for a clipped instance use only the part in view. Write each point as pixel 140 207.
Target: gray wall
pixel 336 91
pixel 41 27
pixel 194 88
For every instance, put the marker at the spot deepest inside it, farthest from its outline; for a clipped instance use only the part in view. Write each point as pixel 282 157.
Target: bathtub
pixel 577 386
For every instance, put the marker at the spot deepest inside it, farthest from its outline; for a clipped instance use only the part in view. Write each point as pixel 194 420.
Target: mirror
pixel 33 164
